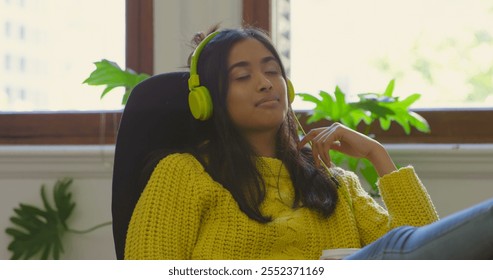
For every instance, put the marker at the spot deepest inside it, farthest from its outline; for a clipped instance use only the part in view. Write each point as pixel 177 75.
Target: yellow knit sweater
pixel 184 214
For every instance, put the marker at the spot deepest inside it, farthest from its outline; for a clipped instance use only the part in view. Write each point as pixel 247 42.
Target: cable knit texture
pixel 184 214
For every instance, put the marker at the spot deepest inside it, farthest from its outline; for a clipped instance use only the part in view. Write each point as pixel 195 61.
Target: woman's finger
pixel 324 142
pixel 310 136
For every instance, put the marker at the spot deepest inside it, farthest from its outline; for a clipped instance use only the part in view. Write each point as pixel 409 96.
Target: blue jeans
pixel 467 234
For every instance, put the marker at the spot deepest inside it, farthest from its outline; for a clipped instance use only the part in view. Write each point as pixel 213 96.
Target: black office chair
pixel 155 118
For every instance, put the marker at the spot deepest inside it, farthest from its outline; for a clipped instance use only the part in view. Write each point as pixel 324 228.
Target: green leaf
pixel 126 96
pixel 359 115
pixel 402 120
pixel 38 231
pixel 318 112
pixel 370 175
pixel 353 163
pixel 408 101
pixel 419 122
pixel 109 74
pixel 390 89
pixel 46 203
pixel 316 116
pixel 376 108
pixel 349 121
pixel 340 105
pixel 376 97
pixel 309 97
pixel 327 105
pixel 337 158
pixel 384 123
pixel 63 200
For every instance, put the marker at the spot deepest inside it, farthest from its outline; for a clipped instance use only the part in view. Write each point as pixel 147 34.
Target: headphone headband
pixel 194 80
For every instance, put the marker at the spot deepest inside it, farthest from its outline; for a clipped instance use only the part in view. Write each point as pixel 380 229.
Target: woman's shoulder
pixel 185 170
pixel 179 162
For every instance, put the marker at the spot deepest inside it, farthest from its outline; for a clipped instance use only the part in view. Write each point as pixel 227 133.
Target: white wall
pixel 455 176
pixel 176 21
pixel 23 169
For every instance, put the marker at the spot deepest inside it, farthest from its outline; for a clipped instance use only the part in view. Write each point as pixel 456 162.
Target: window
pixel 22 32
pixel 449 125
pixel 7 29
pixel 54 44
pixel 433 48
pixel 76 127
pixel 7 62
pixel 22 64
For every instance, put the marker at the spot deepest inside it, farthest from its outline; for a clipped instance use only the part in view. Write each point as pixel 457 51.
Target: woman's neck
pixel 264 144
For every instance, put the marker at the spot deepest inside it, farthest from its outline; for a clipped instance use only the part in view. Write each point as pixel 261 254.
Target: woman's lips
pixel 267 100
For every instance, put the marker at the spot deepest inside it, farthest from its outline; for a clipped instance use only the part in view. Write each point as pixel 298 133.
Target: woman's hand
pixel 352 143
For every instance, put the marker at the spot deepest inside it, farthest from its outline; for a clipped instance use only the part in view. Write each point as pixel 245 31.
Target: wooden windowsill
pixel 65 128
pixel 100 128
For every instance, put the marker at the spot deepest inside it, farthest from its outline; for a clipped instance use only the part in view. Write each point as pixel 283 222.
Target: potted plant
pixel 383 108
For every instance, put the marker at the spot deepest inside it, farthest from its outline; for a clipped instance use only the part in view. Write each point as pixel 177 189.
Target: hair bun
pixel 199 37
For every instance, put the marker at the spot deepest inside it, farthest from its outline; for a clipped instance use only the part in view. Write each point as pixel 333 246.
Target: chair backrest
pixel 155 117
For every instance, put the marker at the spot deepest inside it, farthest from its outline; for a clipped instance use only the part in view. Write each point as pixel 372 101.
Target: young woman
pixel 253 190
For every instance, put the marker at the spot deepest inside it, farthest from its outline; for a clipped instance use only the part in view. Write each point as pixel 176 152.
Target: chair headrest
pixel 155 117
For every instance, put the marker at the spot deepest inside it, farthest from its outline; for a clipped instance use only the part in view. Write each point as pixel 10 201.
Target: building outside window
pixel 442 49
pixel 49 47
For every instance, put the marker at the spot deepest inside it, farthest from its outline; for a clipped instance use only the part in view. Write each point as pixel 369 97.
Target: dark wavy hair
pixel 231 160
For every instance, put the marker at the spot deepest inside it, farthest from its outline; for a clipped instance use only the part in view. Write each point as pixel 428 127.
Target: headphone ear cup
pixel 290 91
pixel 200 103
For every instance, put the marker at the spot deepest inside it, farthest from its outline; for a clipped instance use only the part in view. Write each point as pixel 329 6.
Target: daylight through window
pixel 442 49
pixel 48 47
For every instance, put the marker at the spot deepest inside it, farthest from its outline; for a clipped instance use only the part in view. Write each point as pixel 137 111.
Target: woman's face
pixel 257 94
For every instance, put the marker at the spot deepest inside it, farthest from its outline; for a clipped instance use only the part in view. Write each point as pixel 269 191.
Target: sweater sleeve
pixel 166 219
pixel 405 198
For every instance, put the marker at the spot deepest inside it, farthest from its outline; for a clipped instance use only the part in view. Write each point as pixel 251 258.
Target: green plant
pixel 39 232
pixel 371 107
pixel 109 74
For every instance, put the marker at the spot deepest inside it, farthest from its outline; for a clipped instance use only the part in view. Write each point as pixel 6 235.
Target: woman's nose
pixel 264 84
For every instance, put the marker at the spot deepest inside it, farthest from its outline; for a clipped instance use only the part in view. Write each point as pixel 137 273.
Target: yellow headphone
pixel 199 98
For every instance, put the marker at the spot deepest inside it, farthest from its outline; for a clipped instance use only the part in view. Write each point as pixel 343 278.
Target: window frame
pixel 88 128
pixel 100 128
pixel 448 126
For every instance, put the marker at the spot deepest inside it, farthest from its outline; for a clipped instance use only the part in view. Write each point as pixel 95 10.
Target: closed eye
pixel 241 78
pixel 272 68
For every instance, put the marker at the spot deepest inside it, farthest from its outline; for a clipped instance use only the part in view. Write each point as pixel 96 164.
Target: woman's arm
pixel 406 199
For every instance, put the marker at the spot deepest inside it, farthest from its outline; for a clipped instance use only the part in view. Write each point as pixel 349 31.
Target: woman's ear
pixel 291 93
